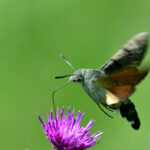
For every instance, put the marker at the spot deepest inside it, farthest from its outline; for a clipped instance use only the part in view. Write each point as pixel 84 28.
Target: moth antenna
pixel 59 77
pixel 54 94
pixel 104 111
pixel 68 62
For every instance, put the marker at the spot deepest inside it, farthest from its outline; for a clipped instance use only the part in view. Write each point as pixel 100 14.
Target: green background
pixel 33 33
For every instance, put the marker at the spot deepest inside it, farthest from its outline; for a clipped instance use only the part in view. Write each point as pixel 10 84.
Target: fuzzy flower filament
pixel 65 132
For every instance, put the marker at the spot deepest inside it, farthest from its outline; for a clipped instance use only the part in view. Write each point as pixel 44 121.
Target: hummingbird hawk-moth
pixel 112 84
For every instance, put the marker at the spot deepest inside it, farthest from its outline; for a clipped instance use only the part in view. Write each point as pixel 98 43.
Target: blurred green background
pixel 33 33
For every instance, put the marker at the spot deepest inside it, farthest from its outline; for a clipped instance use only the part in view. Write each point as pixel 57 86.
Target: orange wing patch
pixel 122 83
pixel 122 91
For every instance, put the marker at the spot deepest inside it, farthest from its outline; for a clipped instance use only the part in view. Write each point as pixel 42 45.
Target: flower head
pixel 65 132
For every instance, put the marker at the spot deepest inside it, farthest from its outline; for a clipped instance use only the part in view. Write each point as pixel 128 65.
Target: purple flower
pixel 65 132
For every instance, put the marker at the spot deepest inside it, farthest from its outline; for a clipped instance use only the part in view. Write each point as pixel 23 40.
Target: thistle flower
pixel 65 132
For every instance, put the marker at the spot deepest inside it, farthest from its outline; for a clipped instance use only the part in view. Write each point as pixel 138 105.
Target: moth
pixel 112 84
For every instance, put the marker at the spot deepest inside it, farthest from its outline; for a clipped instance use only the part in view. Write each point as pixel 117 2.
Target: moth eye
pixel 77 80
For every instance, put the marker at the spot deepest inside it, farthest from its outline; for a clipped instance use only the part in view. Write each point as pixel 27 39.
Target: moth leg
pixel 104 111
pixel 109 109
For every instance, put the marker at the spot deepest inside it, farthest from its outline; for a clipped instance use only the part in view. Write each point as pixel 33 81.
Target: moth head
pixel 74 78
pixel 77 77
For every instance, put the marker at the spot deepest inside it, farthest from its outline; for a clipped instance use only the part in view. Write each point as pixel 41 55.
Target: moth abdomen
pixel 127 110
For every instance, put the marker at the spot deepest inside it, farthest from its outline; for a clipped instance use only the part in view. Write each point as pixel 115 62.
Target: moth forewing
pixel 130 55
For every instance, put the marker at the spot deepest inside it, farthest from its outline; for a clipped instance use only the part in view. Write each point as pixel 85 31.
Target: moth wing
pixel 130 55
pixel 122 83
